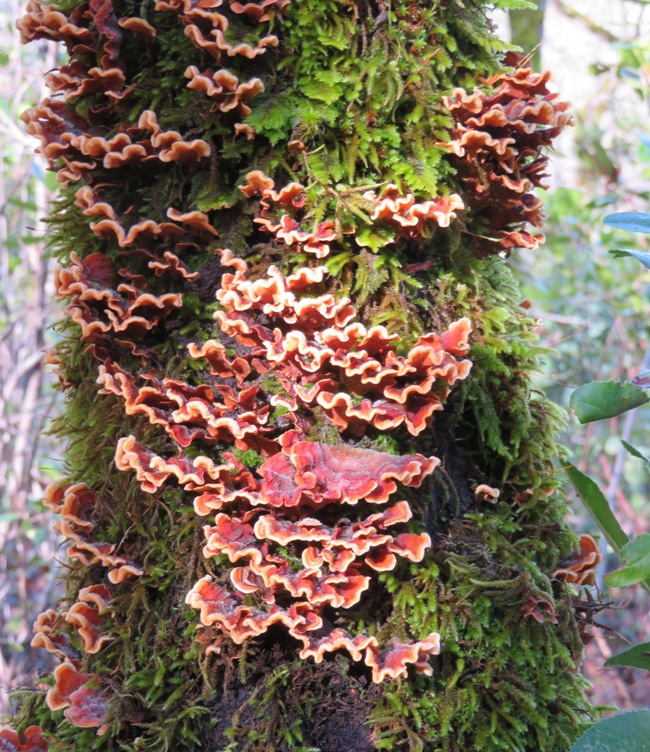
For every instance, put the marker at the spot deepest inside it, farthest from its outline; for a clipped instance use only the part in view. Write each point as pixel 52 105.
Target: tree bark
pixel 311 497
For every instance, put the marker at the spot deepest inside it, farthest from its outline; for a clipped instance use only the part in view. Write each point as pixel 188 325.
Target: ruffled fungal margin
pixel 408 217
pixel 81 697
pixel 261 11
pixel 582 568
pixel 271 523
pixel 75 81
pixel 393 210
pixel 72 151
pixel 224 89
pixel 44 22
pixel 89 614
pixel 487 493
pixel 30 741
pixel 322 355
pixel 75 503
pixel 499 143
pixel 207 27
pixel 226 608
pixel 50 633
pixel 107 316
pixel 83 628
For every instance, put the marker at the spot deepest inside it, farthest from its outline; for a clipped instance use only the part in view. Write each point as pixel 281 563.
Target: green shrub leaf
pixel 625 732
pixel 638 656
pixel 596 503
pixel 644 258
pixel 636 555
pixel 605 399
pixel 630 221
pixel 634 451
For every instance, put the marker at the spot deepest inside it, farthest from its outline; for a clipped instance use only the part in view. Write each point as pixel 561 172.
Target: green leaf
pixel 625 732
pixel 633 451
pixel 374 237
pixel 636 555
pixel 597 506
pixel 636 453
pixel 516 5
pixel 605 399
pixel 638 656
pixel 630 221
pixel 644 258
pixel 51 183
pixel 636 549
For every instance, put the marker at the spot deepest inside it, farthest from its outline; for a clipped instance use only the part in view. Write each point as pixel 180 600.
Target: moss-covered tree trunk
pixel 310 500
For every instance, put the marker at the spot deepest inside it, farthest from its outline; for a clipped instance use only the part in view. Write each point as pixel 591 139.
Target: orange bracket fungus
pixel 325 360
pixel 32 740
pixel 581 569
pixel 498 143
pixel 75 504
pixel 84 701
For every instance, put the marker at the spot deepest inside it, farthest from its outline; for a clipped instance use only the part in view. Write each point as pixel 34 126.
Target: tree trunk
pixel 311 497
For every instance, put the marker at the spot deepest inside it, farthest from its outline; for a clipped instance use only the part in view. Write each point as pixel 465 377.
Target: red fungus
pixel 171 263
pixel 315 341
pixel 409 217
pixel 581 569
pixel 43 22
pixel 104 312
pixel 201 21
pixel 49 634
pixel 497 142
pixel 487 493
pixel 75 80
pixel 140 27
pixel 341 474
pixel 76 504
pixel 77 692
pixel 393 662
pixel 540 606
pixel 225 90
pixel 88 616
pixel 67 680
pixel 260 11
pixel 337 639
pixel 32 740
pixel 73 143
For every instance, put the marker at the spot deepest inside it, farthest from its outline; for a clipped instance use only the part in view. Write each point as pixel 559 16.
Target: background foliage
pixel 27 397
pixel 593 308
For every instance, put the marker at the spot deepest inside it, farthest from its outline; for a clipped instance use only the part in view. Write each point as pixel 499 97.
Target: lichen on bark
pixel 298 372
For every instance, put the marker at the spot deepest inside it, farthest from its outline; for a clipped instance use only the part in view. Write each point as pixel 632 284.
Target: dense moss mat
pixel 360 82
